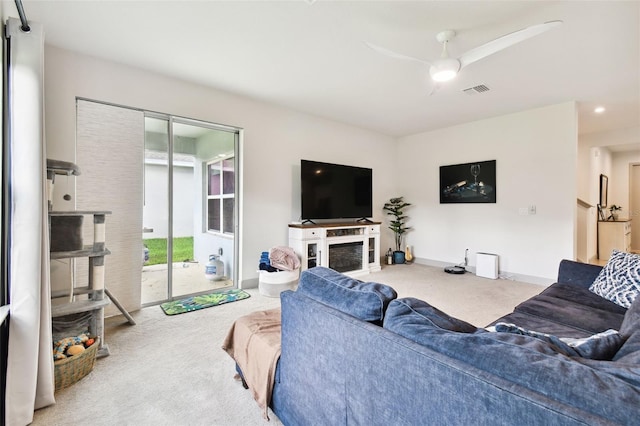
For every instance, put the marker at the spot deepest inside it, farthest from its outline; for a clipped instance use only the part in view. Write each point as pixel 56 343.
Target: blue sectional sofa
pixel 354 354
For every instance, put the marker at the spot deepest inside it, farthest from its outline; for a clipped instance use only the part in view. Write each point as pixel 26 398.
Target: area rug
pixel 195 303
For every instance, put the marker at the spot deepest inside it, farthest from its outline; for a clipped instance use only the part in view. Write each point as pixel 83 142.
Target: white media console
pixel 350 248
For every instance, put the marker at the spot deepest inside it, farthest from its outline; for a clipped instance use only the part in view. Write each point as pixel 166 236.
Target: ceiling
pixel 310 55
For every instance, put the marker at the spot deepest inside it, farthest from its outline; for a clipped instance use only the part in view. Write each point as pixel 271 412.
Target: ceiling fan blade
pixel 505 41
pixel 393 54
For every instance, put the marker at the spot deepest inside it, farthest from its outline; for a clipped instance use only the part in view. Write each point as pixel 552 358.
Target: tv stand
pixel 352 248
pixel 304 222
pixel 364 220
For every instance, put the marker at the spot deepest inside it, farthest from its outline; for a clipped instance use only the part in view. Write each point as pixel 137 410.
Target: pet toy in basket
pixel 75 357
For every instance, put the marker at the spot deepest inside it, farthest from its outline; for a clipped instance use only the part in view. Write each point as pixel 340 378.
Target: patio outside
pixel 188 274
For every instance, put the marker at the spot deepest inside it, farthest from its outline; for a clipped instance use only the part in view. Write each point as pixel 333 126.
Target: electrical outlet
pixel 532 209
pixel 523 211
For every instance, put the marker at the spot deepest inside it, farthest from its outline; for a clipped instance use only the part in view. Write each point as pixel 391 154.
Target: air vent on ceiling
pixel 481 88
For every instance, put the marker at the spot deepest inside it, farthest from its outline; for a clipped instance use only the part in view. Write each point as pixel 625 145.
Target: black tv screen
pixel 334 191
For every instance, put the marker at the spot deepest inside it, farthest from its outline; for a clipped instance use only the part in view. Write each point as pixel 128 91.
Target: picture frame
pixel 604 191
pixel 473 182
pixel 603 197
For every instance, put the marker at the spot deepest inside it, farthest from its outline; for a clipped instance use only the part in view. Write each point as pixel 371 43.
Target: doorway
pixel 189 208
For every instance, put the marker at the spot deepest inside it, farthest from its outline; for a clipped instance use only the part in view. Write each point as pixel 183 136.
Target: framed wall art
pixel 604 190
pixel 468 183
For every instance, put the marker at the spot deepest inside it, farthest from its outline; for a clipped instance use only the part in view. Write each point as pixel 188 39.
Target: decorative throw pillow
pixel 619 280
pixel 601 346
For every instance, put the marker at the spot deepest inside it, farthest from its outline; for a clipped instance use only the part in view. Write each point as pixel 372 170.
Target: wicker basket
pixel 70 370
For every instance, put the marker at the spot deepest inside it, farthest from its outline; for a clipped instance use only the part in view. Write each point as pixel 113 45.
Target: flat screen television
pixel 335 191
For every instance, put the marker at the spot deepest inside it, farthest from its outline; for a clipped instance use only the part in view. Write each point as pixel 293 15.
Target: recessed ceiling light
pixel 599 110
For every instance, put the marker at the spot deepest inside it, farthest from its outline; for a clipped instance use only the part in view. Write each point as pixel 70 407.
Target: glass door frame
pixel 171 120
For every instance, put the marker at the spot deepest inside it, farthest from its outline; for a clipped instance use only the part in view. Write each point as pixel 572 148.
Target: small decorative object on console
pixel 614 212
pixel 407 254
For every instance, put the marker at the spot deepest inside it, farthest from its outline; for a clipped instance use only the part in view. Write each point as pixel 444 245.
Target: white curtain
pixel 30 381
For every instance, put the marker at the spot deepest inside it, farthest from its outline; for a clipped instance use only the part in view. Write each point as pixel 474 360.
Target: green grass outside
pixel 182 250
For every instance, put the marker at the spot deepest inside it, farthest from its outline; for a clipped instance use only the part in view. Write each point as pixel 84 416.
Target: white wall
pixel 535 151
pixel 536 154
pixel 588 195
pixel 155 214
pixel 621 190
pixel 274 139
pixel 619 182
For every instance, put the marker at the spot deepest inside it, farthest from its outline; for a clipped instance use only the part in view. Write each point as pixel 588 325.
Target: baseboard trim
pixel 250 283
pixel 531 279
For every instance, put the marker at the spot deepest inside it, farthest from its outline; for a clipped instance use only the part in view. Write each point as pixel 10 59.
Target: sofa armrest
pixel 576 273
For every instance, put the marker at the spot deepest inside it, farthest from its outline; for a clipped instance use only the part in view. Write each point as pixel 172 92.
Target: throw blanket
pixel 284 258
pixel 254 343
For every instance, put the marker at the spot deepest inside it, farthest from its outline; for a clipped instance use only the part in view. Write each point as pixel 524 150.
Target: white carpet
pixel 170 370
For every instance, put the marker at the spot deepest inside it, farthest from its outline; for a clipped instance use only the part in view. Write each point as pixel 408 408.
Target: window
pixel 221 181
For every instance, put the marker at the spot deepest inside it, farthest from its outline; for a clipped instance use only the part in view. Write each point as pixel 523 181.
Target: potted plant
pixel 613 210
pixel 395 208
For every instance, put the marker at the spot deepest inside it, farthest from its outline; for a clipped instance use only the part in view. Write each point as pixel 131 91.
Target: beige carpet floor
pixel 170 370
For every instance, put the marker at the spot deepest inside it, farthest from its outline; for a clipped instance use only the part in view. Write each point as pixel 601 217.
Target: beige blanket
pixel 254 343
pixel 284 258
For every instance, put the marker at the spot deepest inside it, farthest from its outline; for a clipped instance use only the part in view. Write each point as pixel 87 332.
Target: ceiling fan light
pixel 444 70
pixel 443 75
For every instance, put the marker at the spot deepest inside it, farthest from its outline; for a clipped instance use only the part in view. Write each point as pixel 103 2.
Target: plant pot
pixel 398 257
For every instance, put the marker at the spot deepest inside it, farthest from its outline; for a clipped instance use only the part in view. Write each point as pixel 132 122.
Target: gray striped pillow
pixel 619 280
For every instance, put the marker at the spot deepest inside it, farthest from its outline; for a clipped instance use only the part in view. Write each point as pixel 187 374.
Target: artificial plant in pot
pixel 614 212
pixel 395 207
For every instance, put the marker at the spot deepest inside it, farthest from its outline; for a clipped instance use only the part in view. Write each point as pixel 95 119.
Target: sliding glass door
pixel 189 211
pixel 171 184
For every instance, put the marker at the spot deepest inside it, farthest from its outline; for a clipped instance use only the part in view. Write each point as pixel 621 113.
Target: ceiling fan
pixel 446 68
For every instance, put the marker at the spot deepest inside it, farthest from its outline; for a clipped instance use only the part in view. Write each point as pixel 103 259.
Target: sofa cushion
pixel 565 310
pixel 629 353
pixel 409 310
pixel 364 300
pixel 541 324
pixel 418 321
pixel 577 273
pixel 619 280
pixel 631 322
pixel 630 330
pixel 601 346
pixel 582 296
